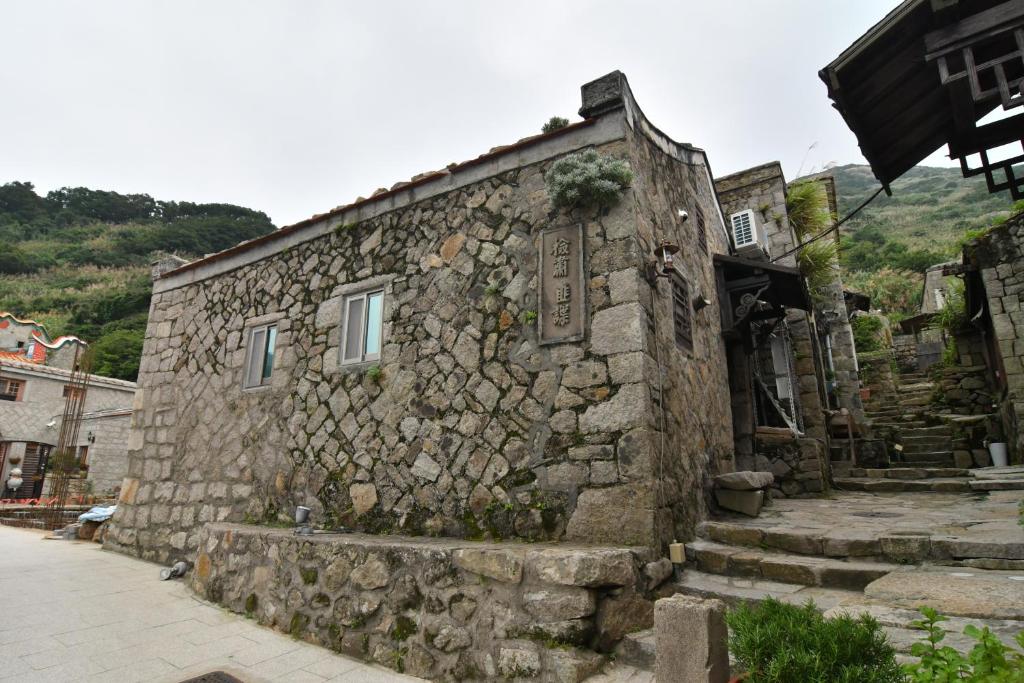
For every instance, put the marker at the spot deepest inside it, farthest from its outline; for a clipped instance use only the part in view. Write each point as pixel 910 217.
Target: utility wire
pixel 832 228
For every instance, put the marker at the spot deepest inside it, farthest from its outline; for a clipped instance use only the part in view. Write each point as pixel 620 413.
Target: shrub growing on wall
pixel 866 332
pixel 554 123
pixel 587 179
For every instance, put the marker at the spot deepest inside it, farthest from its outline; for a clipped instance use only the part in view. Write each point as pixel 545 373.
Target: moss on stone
pixel 251 603
pixel 404 628
pixel 298 624
pixel 309 575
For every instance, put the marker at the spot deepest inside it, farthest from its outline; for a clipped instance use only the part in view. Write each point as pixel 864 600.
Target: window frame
pixel 361 357
pixel 19 392
pixel 702 228
pixel 269 343
pixel 681 305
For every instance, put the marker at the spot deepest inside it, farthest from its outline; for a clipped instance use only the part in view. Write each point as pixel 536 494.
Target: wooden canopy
pixel 925 75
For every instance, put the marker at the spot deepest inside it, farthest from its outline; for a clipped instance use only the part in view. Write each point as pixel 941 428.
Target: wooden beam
pixel 991 22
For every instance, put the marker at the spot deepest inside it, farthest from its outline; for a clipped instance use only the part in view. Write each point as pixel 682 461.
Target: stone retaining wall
pixel 440 609
pixel 801 466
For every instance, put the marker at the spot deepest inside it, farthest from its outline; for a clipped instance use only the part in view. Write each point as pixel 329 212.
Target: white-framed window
pixel 260 365
pixel 362 326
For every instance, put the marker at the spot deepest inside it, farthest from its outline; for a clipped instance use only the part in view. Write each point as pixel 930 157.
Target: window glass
pixel 257 343
pixel 354 329
pixel 268 353
pixel 374 320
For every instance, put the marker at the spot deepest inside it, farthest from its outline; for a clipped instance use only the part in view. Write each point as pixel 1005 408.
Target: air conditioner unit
pixel 748 236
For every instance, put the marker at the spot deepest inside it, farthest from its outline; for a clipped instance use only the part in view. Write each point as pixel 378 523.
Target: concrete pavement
pixel 73 612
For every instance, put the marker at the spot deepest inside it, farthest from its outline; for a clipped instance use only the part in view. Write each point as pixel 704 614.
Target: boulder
pixel 744 481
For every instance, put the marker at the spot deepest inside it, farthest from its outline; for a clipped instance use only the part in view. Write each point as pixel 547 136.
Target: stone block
pixel 963 459
pixel 627 509
pixel 620 614
pixel 744 481
pixel 619 329
pixel 519 662
pixel 501 565
pixel 584 567
pixel 691 641
pixel 560 604
pixel 905 547
pixel 746 502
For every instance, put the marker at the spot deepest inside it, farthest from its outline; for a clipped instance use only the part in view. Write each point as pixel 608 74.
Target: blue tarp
pixel 97 514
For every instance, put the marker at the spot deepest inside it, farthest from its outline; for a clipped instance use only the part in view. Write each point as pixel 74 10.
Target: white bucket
pixel 998 453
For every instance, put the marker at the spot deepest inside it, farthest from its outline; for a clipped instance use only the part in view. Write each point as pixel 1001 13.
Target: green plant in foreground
pixel 989 661
pixel 776 642
pixel 587 178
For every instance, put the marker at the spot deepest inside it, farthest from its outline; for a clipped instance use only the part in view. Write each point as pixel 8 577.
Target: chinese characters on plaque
pixel 562 294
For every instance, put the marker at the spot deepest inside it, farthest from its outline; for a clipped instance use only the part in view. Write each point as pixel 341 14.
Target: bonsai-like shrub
pixel 587 179
pixel 553 124
pixel 779 643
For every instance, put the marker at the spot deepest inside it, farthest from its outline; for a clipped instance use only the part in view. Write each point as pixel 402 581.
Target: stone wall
pixel 999 256
pixel 471 427
pixel 440 609
pixel 800 466
pixel 108 451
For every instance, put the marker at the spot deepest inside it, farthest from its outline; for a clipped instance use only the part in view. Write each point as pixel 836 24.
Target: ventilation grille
pixel 743 228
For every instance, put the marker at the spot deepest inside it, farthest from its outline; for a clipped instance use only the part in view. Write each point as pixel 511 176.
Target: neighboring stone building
pixel 28 340
pixel 993 267
pixel 783 401
pixel 32 399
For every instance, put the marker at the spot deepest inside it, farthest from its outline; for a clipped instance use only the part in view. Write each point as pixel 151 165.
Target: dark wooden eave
pixel 890 96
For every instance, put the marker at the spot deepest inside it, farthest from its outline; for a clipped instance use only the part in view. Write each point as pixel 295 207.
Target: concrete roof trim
pixel 34 369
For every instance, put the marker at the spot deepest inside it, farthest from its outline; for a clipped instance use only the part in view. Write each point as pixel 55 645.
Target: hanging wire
pixel 832 228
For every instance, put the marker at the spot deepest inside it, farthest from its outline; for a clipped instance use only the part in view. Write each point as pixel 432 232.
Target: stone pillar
pixel 691 640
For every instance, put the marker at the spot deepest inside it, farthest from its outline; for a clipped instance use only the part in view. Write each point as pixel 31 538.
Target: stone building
pixel 32 399
pixel 793 373
pixel 29 340
pixel 450 414
pixel 993 271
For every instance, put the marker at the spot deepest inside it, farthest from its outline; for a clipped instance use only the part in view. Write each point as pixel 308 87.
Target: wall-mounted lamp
pixel 666 252
pixel 91 438
pixel 664 255
pixel 700 301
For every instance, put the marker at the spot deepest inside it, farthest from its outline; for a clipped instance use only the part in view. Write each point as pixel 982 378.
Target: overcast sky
pixel 294 107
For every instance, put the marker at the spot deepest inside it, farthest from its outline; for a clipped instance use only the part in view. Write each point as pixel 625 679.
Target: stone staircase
pixel 931 457
pixel 736 562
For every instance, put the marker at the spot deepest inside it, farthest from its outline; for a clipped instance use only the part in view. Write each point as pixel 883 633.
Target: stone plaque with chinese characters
pixel 563 296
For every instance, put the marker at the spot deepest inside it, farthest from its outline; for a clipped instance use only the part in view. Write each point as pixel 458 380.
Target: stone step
pixel 807 570
pixel 915 400
pixel 871 484
pixel 736 591
pixel 938 430
pixel 909 472
pixel 928 456
pixel 909 424
pixel 927 447
pixel 637 650
pixel 1014 484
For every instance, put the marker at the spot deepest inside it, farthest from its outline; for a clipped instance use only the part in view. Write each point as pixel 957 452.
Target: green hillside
pixel 886 248
pixel 78 260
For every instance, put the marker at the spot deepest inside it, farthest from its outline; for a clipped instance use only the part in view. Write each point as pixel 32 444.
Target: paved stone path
pixel 73 612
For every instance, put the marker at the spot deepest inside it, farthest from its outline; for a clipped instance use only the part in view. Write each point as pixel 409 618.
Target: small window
pixel 70 390
pixel 83 456
pixel 362 327
pixel 702 229
pixel 11 389
pixel 682 320
pixel 260 365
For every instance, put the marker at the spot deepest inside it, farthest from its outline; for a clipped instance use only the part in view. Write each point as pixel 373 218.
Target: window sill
pixel 257 389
